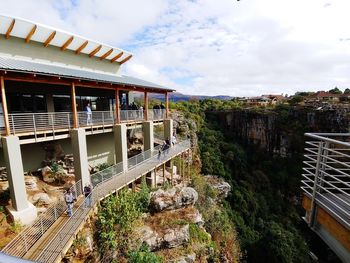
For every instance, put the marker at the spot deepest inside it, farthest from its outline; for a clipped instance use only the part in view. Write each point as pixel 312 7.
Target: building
pixel 322 96
pixel 61 87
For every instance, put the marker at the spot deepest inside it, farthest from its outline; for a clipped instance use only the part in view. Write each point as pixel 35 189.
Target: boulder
pixel 48 177
pixel 42 198
pixel 173 198
pixel 175 237
pixel 190 258
pixel 168 238
pixel 149 237
pixel 223 188
pixel 30 184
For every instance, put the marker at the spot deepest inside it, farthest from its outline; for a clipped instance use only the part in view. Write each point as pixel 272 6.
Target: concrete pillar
pixel 148 135
pixel 150 180
pixel 49 103
pixel 121 145
pixel 81 166
pixel 20 208
pixel 168 130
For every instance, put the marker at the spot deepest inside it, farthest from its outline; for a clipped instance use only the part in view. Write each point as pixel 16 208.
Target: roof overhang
pixel 22 70
pixel 49 36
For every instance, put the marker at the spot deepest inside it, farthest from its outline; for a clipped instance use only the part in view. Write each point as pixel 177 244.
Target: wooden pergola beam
pixel 67 43
pixel 74 106
pixel 166 105
pixel 125 59
pixel 26 77
pixel 79 49
pixel 49 39
pixel 4 106
pixel 106 54
pixel 95 51
pixel 8 32
pixel 117 107
pixel 30 34
pixel 117 56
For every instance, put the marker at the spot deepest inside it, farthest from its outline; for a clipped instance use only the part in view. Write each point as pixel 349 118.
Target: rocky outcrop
pixel 169 238
pixel 190 258
pixel 174 198
pixel 219 185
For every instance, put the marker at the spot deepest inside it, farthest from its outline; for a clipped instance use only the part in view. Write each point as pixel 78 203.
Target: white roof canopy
pixel 31 31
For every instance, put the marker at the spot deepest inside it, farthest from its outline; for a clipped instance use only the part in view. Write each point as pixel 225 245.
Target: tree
pixel 347 91
pixel 336 90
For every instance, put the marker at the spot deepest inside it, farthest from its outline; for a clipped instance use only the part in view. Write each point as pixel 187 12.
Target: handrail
pixel 33 232
pixel 59 121
pixel 101 181
pixel 326 177
pixel 101 189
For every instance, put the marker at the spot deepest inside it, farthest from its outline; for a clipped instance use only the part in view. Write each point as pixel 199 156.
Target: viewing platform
pixel 39 127
pixel 326 187
pixel 52 233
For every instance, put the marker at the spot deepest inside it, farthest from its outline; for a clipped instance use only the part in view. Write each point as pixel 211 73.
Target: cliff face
pixel 279 131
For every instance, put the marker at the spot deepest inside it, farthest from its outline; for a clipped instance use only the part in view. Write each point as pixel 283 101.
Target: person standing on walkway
pixel 69 198
pixel 88 114
pixel 87 194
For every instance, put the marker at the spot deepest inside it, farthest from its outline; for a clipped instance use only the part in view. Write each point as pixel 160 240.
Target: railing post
pixel 314 189
pixel 34 125
pixel 53 126
pixel 41 226
pixel 68 115
pixel 103 121
pixel 55 211
pixel 13 125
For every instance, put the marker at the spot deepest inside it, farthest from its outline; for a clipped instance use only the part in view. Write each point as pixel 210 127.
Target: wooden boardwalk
pixel 53 245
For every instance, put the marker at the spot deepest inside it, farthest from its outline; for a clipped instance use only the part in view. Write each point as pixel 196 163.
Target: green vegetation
pixel 117 216
pixel 143 255
pixel 264 188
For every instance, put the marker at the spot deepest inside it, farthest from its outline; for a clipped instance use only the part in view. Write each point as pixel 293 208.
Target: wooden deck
pixel 52 246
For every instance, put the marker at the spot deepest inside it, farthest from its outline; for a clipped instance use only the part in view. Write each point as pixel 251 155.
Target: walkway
pixel 52 245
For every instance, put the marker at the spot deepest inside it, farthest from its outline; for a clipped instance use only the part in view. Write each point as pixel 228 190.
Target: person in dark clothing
pixel 87 194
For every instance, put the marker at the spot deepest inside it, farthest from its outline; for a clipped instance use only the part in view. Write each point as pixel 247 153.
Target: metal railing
pixel 105 182
pixel 141 157
pixel 38 123
pixel 21 244
pixel 156 114
pixel 326 176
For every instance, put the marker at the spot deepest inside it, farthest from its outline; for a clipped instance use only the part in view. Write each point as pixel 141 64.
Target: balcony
pixel 35 127
pixel 326 187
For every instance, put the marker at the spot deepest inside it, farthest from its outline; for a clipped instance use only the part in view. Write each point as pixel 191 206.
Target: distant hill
pixel 182 97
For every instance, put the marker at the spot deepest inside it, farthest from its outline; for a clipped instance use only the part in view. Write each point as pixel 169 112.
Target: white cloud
pixel 211 47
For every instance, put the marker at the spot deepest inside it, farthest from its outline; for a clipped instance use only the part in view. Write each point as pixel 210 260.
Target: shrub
pixel 143 255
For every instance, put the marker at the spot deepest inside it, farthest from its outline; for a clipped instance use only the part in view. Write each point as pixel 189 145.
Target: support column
pixel 117 107
pixel 20 208
pixel 163 174
pixel 168 130
pixel 4 106
pixel 148 135
pixel 74 106
pixel 121 145
pixel 166 105
pixel 81 166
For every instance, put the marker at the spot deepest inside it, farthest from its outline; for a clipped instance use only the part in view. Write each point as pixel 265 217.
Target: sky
pixel 214 47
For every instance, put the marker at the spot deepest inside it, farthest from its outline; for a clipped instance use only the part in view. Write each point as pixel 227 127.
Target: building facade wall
pixel 100 149
pixel 17 48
